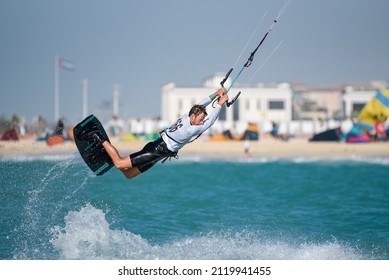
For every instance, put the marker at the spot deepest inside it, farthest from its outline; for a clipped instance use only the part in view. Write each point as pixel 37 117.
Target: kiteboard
pixel 92 152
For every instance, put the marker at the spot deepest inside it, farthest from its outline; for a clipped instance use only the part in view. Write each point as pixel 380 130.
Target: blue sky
pixel 142 45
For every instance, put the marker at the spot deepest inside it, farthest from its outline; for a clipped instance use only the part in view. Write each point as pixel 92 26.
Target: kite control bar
pixel 250 59
pixel 247 64
pixel 226 77
pixel 222 84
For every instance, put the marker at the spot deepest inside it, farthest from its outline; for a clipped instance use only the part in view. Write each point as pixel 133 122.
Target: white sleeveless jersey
pixel 181 132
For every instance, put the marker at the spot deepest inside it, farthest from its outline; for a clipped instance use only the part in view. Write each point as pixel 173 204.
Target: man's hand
pixel 220 92
pixel 222 99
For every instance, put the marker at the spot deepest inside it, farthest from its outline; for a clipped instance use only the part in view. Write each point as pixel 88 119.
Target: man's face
pixel 197 120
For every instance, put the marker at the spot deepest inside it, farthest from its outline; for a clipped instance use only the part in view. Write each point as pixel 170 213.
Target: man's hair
pixel 197 110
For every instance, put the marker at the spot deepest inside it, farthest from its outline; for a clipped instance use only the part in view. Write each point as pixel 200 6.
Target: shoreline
pixel 264 148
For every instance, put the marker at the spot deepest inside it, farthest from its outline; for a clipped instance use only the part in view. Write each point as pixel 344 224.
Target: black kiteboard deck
pixel 93 153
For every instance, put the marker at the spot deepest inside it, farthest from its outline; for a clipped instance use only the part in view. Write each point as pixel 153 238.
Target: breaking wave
pixel 87 235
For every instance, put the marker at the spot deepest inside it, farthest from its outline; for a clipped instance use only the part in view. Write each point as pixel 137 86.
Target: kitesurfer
pixel 172 139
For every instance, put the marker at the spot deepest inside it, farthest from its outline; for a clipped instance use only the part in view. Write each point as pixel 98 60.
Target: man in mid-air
pixel 172 139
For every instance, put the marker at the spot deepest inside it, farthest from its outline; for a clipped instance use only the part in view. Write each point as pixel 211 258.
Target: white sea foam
pixel 87 235
pixel 375 160
pixel 380 160
pixel 40 157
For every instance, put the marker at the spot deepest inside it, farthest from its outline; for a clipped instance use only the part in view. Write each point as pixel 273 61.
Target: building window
pixel 357 107
pixel 222 114
pixel 180 105
pixel 235 110
pixel 247 105
pixel 276 105
pixel 258 105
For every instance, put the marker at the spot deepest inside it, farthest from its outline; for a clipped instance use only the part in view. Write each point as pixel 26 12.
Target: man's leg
pixel 131 172
pixel 122 163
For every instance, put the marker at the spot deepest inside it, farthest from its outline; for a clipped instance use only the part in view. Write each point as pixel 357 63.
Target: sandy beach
pixel 262 148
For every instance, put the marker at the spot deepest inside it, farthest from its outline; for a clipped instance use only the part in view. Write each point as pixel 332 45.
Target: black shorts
pixel 151 153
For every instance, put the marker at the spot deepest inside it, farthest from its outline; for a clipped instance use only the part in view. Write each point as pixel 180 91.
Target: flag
pixel 66 64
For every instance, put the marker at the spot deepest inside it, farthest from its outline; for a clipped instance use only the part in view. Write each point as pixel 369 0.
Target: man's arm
pixel 219 93
pixel 207 100
pixel 214 114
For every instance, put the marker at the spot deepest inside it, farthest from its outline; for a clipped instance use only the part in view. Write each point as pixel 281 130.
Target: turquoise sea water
pixel 53 207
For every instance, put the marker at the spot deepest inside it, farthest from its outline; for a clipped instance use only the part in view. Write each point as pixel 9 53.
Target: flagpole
pixel 85 98
pixel 116 93
pixel 56 105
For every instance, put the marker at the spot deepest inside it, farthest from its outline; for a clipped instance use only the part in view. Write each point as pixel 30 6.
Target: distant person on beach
pixel 275 133
pixel 274 130
pixel 59 128
pixel 379 131
pixel 172 139
pixel 246 145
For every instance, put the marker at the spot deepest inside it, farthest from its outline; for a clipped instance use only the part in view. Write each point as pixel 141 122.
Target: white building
pixel 355 99
pixel 261 104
